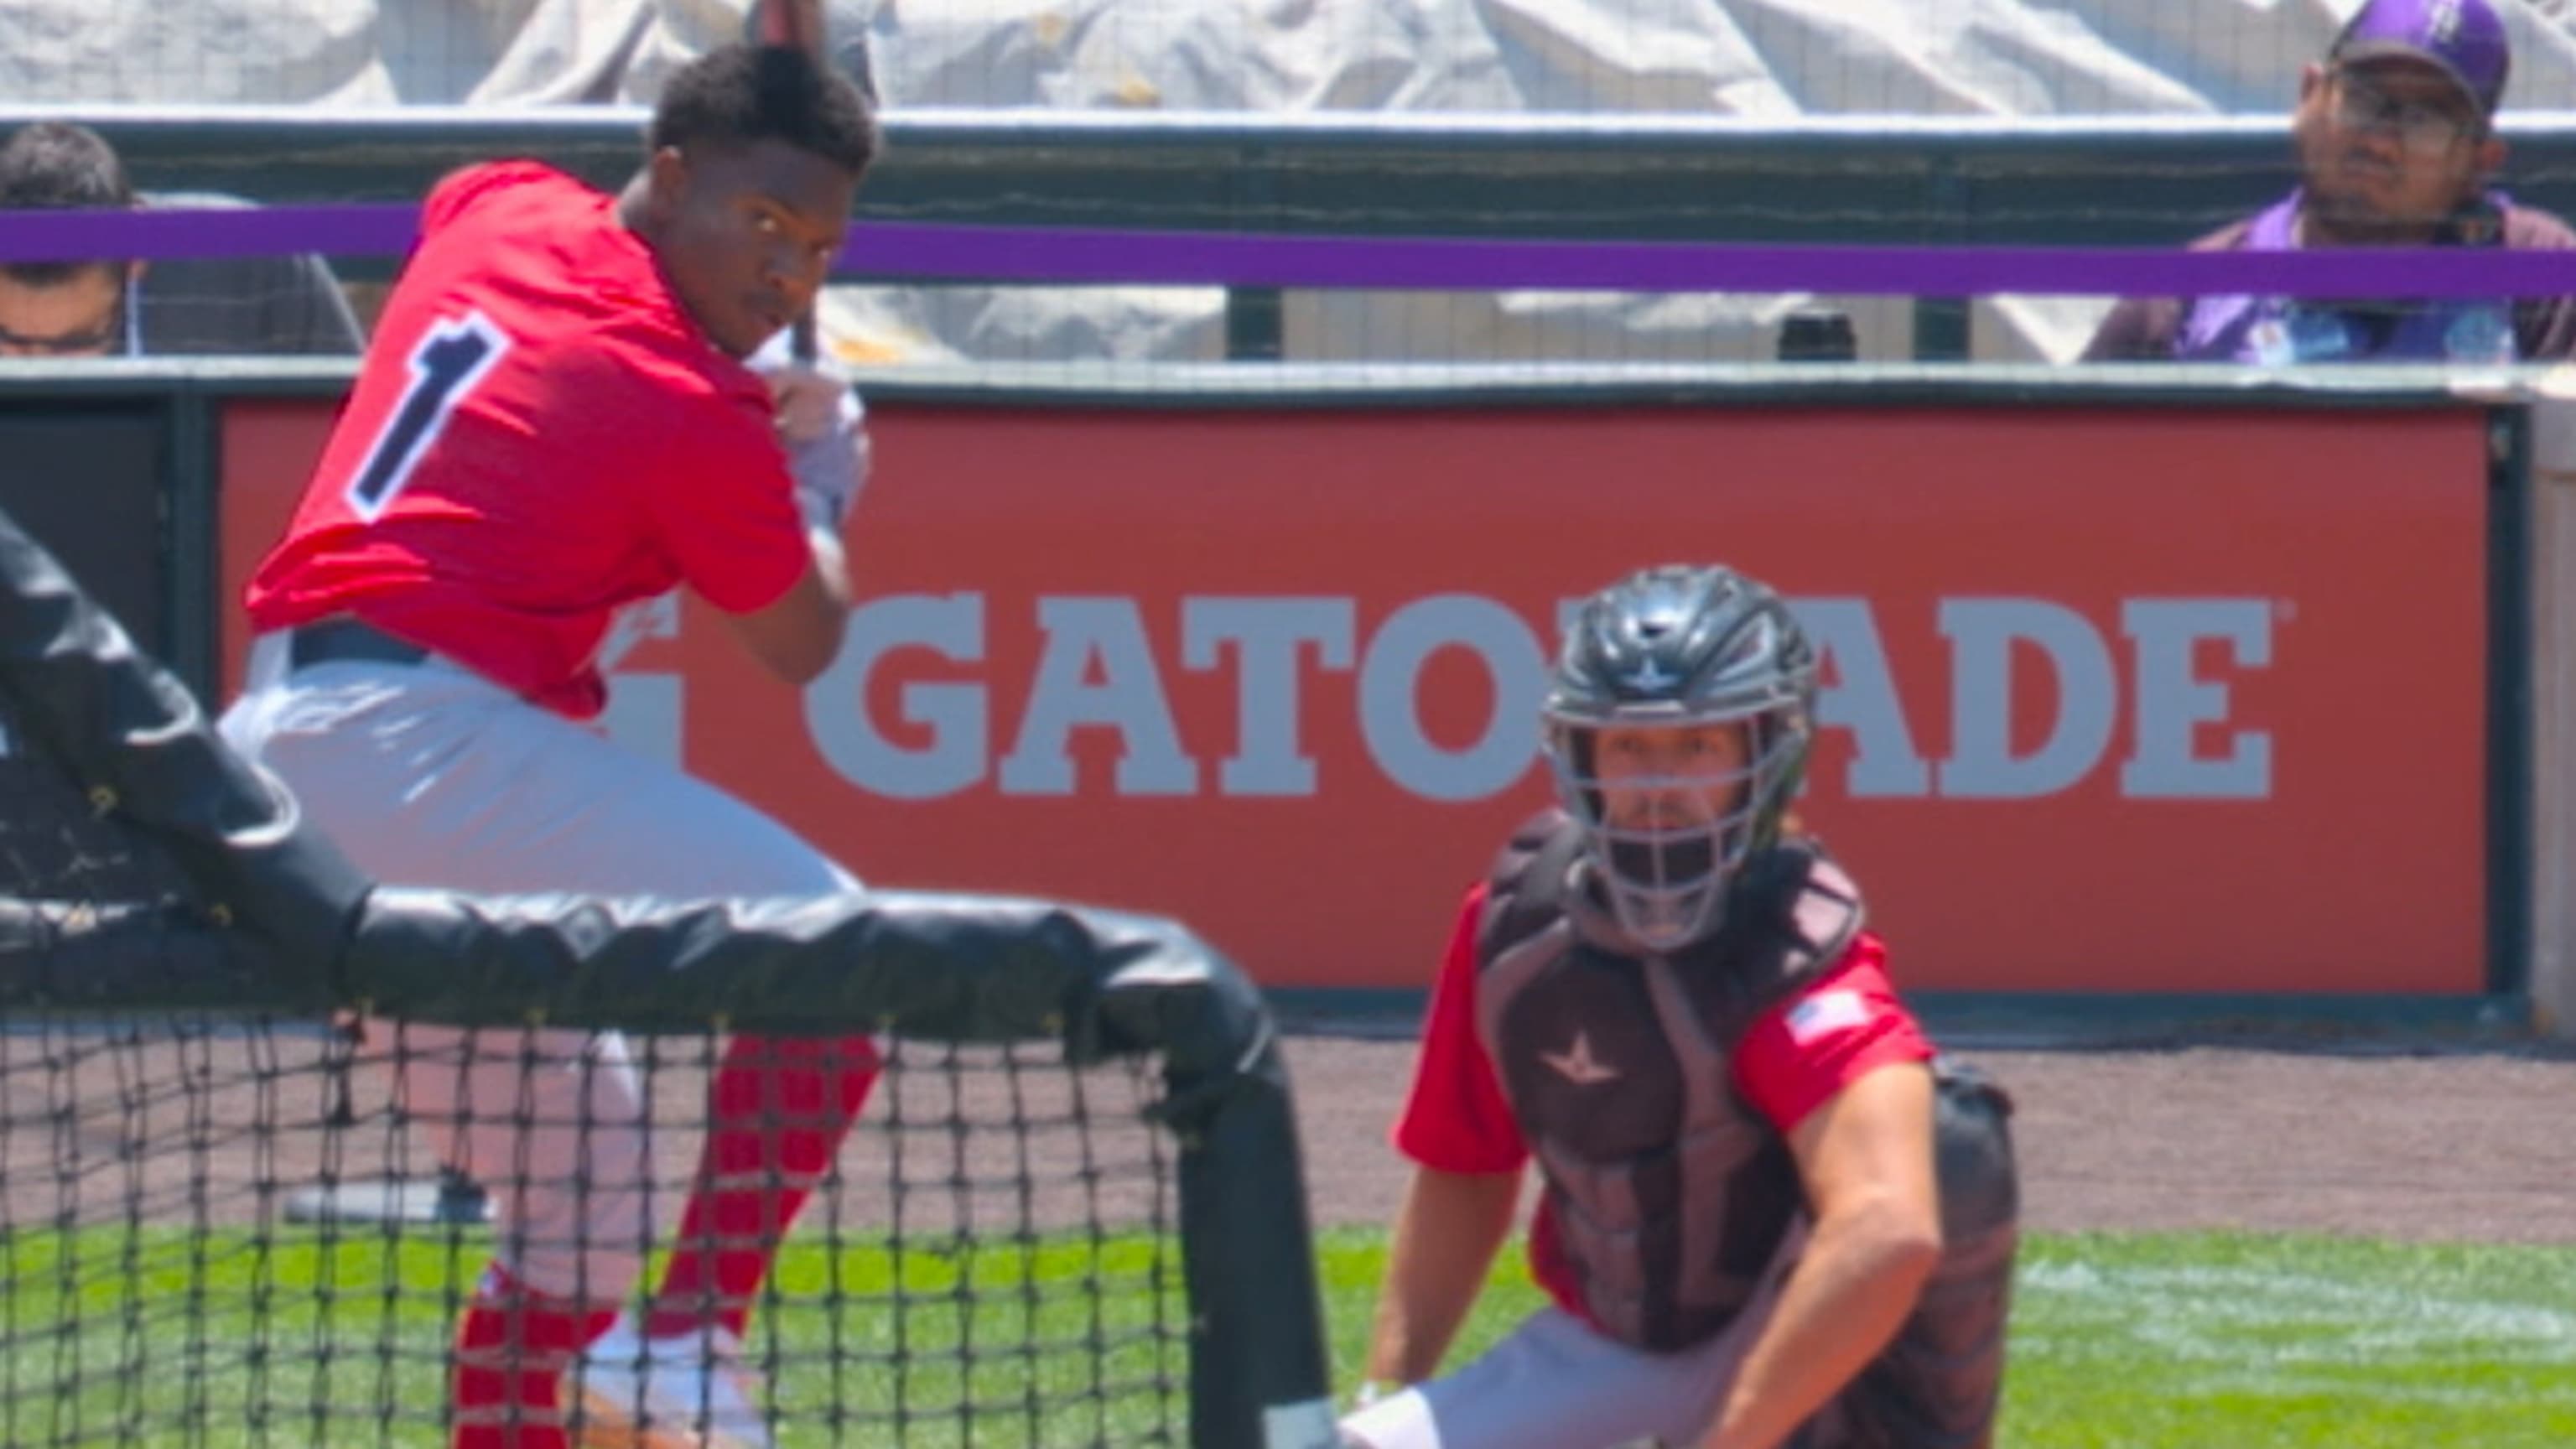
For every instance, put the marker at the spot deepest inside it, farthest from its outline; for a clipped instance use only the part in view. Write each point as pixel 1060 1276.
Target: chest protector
pixel 1670 1192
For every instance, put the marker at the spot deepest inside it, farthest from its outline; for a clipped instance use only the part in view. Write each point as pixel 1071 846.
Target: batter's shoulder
pixel 644 362
pixel 529 183
pixel 655 343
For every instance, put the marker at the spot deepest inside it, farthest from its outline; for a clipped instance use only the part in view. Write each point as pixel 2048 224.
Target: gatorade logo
pixel 915 709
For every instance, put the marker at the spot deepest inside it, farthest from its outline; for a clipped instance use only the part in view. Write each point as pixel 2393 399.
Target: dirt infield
pixel 2459 1146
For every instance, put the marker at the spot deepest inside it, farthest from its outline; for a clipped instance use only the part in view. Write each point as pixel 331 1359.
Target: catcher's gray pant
pixel 1554 1383
pixel 429 775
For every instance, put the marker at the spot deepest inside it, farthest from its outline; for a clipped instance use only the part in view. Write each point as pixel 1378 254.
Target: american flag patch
pixel 1825 1013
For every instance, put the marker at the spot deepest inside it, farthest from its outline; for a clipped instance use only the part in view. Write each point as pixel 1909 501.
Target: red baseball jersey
pixel 539 436
pixel 1797 1055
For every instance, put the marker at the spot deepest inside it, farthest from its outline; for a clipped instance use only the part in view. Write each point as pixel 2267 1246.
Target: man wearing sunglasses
pixel 2396 144
pixel 116 308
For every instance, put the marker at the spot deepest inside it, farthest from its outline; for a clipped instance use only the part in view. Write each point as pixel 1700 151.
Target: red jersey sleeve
pixel 1844 1024
pixel 1456 1118
pixel 716 486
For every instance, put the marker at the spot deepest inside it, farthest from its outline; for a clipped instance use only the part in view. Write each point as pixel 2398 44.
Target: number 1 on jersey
pixel 445 366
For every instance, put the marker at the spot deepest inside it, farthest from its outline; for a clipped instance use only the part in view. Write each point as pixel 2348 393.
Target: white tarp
pixel 1758 58
pixel 1731 57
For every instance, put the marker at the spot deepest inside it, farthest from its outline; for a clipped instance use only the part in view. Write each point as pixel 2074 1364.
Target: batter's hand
pixel 832 468
pixel 805 399
pixel 824 429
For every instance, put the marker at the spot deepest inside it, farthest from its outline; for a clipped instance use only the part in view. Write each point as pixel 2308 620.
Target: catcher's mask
pixel 1662 668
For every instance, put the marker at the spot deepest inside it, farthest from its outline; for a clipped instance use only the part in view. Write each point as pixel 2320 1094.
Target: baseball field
pixel 2229 1249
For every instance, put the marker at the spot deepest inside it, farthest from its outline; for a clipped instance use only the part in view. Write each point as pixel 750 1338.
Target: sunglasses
pixel 2426 128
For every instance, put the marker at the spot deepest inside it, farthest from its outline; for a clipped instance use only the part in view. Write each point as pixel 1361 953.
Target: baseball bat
pixel 797 25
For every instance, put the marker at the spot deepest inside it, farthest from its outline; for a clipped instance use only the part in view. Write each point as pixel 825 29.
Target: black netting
pixel 221 1229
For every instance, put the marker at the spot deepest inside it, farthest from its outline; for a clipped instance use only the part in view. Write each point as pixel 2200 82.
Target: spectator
pixel 233 305
pixel 2397 144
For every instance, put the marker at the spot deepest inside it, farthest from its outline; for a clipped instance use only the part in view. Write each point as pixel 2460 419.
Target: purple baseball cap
pixel 2462 38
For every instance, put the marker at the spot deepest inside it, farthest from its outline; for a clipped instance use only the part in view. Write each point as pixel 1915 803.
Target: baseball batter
pixel 554 422
pixel 1771 1216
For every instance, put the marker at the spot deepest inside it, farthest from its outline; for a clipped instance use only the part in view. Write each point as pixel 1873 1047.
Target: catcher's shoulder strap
pixel 1791 915
pixel 1525 889
pixel 1825 910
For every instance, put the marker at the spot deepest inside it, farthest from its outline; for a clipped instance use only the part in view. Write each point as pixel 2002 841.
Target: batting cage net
pixel 1070 1212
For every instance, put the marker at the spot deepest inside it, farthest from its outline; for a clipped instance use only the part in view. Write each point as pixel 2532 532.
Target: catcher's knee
pixel 1938 1385
pixel 1956 1332
pixel 1972 1136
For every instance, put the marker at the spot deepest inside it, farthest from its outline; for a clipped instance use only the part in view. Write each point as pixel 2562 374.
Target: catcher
pixel 1771 1214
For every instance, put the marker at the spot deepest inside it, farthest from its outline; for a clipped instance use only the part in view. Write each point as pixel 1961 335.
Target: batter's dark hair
pixel 735 95
pixel 58 165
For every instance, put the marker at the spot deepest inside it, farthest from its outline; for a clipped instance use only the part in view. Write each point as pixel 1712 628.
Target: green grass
pixel 160 1339
pixel 2216 1341
pixel 2119 1341
pixel 2269 1342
